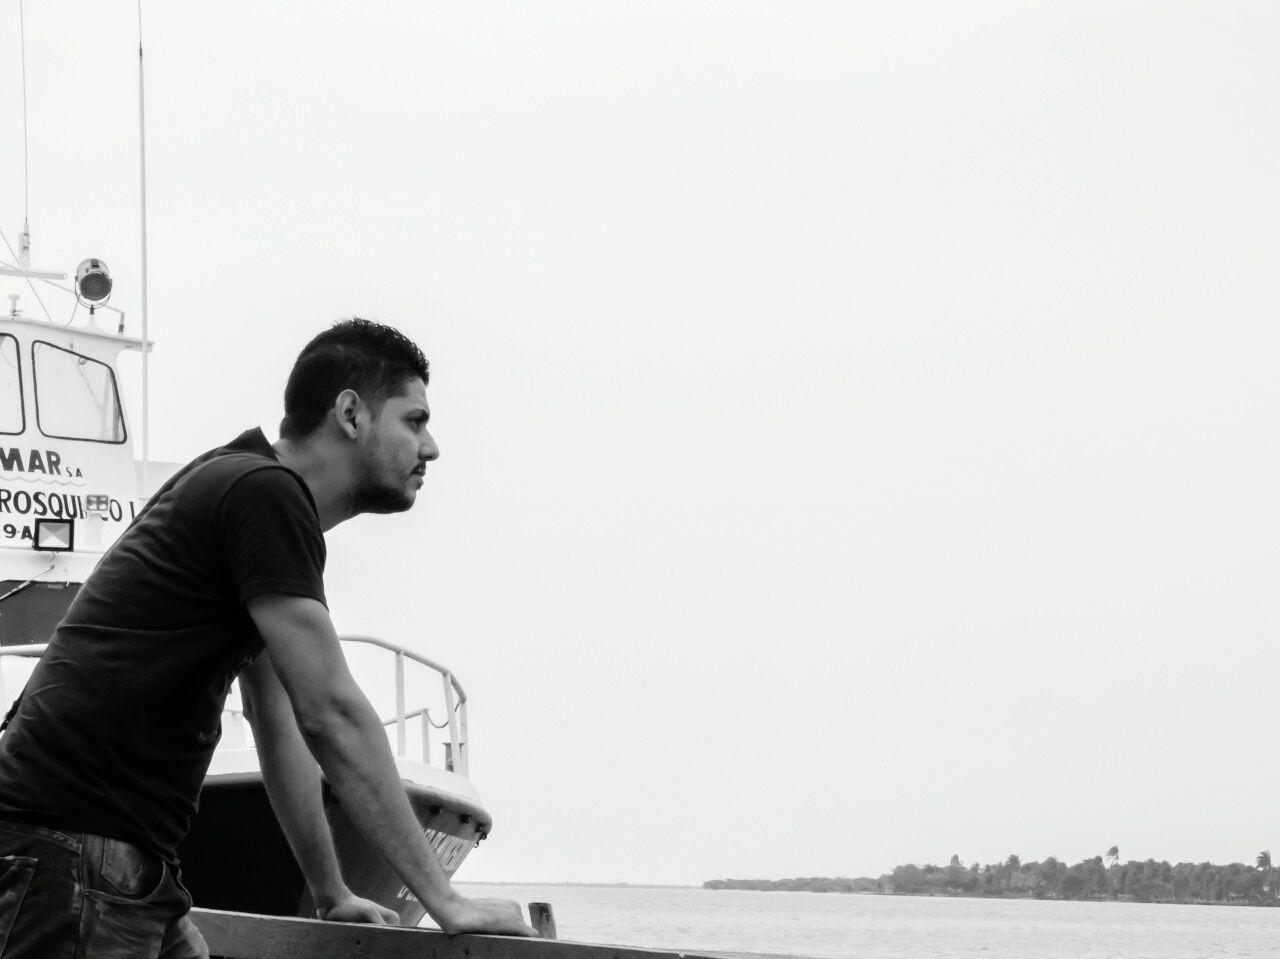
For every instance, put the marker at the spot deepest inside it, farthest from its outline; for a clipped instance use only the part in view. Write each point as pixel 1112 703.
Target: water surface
pixel 835 926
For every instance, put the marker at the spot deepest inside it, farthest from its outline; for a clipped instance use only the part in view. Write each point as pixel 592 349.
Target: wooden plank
pixel 542 919
pixel 237 935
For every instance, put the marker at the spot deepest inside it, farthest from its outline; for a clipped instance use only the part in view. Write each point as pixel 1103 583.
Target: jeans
pixel 79 896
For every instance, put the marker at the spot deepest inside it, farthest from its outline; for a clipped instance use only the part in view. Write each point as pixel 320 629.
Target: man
pixel 101 766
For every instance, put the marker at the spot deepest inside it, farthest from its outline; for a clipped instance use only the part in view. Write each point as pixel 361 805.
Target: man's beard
pixel 374 497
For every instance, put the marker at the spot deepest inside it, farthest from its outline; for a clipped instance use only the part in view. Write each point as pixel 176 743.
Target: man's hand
pixel 355 909
pixel 495 917
pixel 347 739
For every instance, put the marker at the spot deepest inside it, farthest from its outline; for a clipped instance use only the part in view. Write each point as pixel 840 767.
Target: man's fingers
pixel 500 917
pixel 362 910
pixel 506 905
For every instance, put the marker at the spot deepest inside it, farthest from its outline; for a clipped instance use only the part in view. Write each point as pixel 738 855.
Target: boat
pixel 71 480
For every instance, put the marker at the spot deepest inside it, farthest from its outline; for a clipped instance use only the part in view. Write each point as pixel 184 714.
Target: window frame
pixel 115 386
pixel 22 393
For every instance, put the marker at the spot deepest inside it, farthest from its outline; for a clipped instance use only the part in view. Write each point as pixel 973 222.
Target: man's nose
pixel 430 452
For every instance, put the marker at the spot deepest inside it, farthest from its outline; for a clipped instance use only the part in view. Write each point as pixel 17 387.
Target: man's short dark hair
pixel 370 358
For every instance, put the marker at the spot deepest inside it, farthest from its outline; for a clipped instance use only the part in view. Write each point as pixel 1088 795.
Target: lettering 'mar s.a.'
pixel 14 459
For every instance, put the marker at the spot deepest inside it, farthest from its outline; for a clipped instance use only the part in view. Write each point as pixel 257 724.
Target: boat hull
pixel 235 857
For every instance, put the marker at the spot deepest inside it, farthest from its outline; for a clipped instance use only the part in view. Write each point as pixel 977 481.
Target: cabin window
pixel 12 415
pixel 76 397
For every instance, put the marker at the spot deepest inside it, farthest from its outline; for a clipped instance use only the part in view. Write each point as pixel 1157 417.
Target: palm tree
pixel 1113 854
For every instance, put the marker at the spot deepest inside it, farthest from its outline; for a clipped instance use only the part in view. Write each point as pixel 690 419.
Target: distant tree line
pixel 812 884
pixel 1099 878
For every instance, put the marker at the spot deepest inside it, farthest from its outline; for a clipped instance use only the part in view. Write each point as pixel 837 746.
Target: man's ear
pixel 346 411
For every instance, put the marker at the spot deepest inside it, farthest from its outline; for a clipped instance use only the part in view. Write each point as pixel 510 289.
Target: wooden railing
pixel 234 935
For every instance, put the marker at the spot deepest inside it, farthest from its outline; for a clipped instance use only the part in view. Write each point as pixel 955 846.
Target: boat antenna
pixel 22 257
pixel 146 343
pixel 24 241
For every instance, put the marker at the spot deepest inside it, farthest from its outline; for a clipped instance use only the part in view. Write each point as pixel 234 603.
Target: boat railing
pixel 455 707
pixel 456 757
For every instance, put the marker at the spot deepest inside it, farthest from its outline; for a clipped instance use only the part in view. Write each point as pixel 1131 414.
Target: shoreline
pixel 583 885
pixel 1028 897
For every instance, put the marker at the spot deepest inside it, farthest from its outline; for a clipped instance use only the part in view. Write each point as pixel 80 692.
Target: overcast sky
pixel 860 422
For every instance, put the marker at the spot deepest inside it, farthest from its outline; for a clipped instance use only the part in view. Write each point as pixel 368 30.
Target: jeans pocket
pixel 130 900
pixel 15 877
pixel 126 871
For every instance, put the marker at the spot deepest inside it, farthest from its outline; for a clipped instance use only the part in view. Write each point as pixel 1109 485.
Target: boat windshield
pixel 12 419
pixel 76 397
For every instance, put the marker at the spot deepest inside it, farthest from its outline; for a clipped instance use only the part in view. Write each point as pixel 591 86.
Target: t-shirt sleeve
pixel 271 537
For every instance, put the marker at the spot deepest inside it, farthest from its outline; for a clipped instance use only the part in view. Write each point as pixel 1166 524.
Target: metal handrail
pixel 457 755
pixel 394 648
pixel 424 711
pixel 457 758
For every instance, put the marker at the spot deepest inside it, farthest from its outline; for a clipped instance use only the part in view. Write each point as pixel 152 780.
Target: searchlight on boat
pixel 93 281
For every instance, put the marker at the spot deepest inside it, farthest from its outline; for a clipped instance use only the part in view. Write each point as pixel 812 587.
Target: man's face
pixel 395 451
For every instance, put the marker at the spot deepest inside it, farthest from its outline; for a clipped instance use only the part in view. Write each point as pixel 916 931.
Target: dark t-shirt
pixel 117 725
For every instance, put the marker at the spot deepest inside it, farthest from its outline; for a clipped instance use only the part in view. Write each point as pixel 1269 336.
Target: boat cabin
pixel 69 482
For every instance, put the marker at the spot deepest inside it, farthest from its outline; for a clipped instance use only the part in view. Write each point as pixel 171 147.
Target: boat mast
pixel 24 241
pixel 146 342
pixel 22 258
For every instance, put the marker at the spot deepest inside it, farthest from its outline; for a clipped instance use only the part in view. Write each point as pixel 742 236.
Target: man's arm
pixel 346 737
pixel 292 779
